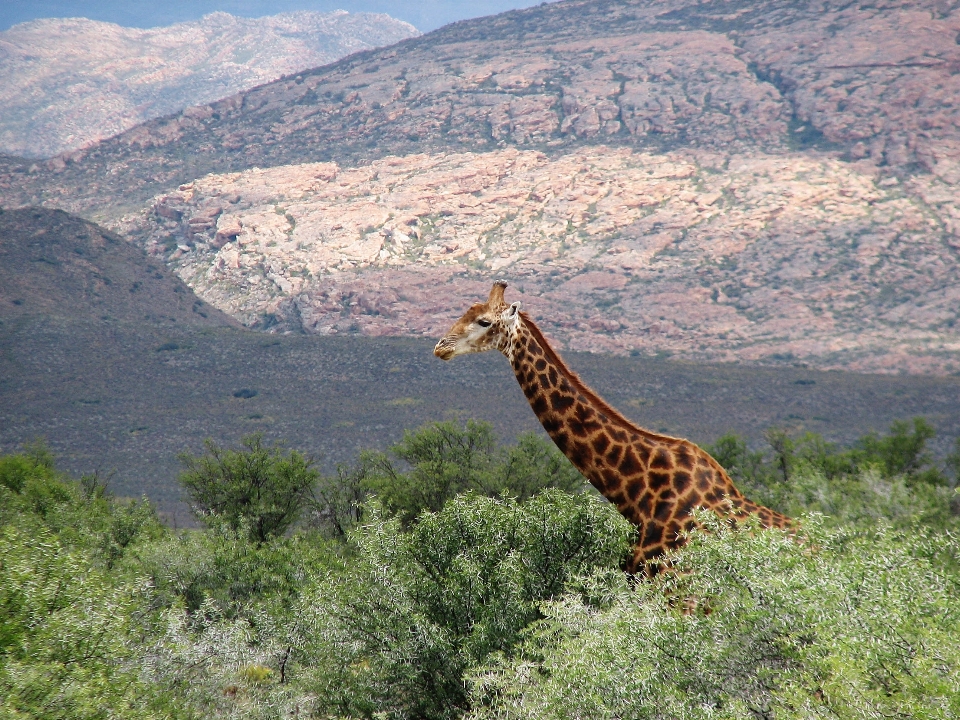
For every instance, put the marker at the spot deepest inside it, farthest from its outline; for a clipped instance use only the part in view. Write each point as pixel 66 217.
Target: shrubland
pixel 458 577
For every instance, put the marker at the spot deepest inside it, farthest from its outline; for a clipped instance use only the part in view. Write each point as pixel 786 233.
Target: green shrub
pixel 67 649
pixel 260 488
pixel 840 625
pixel 227 568
pixel 417 609
pixel 902 452
pixel 890 476
pixel 437 462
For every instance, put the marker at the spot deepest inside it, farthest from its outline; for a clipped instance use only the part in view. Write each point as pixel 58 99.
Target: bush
pixel 437 462
pixel 260 488
pixel 840 625
pixel 226 569
pixel 902 452
pixel 68 641
pixel 63 627
pixel 889 476
pixel 417 609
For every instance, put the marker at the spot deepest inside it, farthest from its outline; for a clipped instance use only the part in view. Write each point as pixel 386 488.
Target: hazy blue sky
pixel 425 14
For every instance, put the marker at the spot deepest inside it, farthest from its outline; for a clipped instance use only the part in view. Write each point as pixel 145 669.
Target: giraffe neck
pixel 578 420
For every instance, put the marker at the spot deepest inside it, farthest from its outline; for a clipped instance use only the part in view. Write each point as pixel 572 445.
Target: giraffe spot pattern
pixel 645 504
pixel 629 465
pixel 658 480
pixel 661 460
pixel 643 452
pixel 704 479
pixel 684 458
pixel 663 510
pixel 580 455
pixel 653 534
pixel 600 444
pixel 560 402
pixel 613 457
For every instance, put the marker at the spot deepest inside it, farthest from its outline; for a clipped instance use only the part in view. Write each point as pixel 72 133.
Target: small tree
pixel 260 488
pixel 953 463
pixel 445 460
pixel 533 465
pixel 903 452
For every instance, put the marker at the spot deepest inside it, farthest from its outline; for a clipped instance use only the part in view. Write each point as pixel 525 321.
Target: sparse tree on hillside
pixel 261 488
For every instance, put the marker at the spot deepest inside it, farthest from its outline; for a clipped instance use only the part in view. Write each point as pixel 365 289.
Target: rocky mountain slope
pixel 771 181
pixel 70 82
pixel 780 257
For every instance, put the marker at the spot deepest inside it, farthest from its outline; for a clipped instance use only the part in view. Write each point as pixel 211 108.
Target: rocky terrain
pixel 772 182
pixel 706 256
pixel 70 82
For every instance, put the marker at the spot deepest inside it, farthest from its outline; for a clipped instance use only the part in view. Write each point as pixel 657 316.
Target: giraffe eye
pixel 483 323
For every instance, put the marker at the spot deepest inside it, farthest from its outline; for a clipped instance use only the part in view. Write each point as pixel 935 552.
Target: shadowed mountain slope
pixel 53 264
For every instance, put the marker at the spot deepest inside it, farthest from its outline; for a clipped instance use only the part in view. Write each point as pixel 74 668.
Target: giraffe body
pixel 654 480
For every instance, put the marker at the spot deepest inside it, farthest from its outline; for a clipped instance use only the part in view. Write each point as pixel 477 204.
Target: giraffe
pixel 654 480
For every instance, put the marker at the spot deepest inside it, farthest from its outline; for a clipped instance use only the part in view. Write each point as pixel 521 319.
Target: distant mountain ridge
pixel 69 82
pixel 721 74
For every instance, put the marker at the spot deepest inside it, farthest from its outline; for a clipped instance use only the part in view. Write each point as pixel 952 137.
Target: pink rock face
pixel 780 258
pixel 882 81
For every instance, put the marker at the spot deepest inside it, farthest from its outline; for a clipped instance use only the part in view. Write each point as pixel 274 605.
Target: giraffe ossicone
pixel 654 480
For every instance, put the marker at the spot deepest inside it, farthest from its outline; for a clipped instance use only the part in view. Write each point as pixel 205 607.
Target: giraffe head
pixel 485 326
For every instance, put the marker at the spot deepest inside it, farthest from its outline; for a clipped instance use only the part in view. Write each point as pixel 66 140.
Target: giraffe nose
pixel 444 349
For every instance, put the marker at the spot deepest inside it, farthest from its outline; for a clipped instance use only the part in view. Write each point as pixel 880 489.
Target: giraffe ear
pixel 514 308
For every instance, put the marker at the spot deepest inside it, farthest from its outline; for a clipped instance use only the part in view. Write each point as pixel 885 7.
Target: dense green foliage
pixel 417 609
pixel 847 625
pixel 456 577
pixel 436 463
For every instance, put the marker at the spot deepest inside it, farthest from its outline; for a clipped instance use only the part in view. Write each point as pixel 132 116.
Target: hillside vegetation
pixel 454 577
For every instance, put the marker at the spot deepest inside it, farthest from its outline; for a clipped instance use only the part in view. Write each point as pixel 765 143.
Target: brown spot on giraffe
pixel 654 480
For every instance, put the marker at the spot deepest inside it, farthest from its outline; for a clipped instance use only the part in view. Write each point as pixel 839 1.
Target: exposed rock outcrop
pixel 765 181
pixel 769 258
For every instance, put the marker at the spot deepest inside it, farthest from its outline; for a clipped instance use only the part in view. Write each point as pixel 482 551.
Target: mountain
pixel 53 264
pixel 771 182
pixel 69 82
